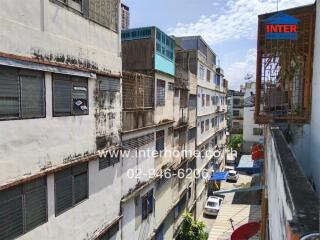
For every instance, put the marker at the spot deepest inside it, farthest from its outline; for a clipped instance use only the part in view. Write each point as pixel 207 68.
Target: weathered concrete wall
pixel 53 33
pixel 29 146
pixel 164 112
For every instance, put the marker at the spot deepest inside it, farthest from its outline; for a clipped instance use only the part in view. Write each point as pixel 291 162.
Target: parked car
pixel 232 176
pixel 213 205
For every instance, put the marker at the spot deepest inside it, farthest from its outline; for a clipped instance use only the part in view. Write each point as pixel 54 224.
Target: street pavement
pixel 241 208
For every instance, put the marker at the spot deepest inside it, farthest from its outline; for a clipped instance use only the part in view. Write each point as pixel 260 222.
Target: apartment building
pixel 236 110
pixel 60 88
pixel 156 118
pixel 211 111
pixel 290 202
pixel 125 17
pixel 252 133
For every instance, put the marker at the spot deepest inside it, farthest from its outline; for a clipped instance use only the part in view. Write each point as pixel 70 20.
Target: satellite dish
pixel 248 76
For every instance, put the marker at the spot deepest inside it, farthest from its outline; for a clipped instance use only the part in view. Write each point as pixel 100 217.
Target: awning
pixel 248 165
pixel 219 176
pixel 43 67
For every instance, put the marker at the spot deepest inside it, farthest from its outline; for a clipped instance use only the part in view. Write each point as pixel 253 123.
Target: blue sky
pixel 228 26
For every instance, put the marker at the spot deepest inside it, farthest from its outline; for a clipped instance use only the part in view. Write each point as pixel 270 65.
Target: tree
pixel 191 229
pixel 235 142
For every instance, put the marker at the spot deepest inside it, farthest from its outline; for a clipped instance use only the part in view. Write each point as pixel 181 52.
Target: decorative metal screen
pixel 284 69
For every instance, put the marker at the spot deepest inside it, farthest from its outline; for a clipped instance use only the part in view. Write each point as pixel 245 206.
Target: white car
pixel 233 176
pixel 213 205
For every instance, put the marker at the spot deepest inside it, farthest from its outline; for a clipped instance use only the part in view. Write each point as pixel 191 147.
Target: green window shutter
pixel 9 93
pixel 35 203
pixel 63 190
pixel 109 84
pixel 11 213
pixel 32 94
pixel 80 187
pixel 62 95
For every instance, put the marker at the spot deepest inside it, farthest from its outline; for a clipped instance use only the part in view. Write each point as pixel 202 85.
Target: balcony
pixel 138 102
pixel 284 70
pixel 293 208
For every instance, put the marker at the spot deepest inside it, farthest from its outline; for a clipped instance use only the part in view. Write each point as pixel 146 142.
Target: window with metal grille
pixel 236 113
pixel 170 86
pixel 22 93
pixel 202 126
pixel 192 101
pixel 236 101
pixel 201 72
pixel 207 100
pixel 147 204
pixel 112 231
pixel 192 133
pixel 138 142
pixel 70 95
pixel 207 124
pixel 165 45
pixel 107 161
pixel 161 93
pixel 23 208
pixel 71 187
pixel 160 141
pixel 208 75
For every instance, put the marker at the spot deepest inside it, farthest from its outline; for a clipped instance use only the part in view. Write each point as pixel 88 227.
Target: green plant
pixel 191 229
pixel 235 142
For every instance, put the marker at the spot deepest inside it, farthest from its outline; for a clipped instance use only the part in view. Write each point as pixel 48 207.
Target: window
pixel 170 86
pixel 212 100
pixel 207 124
pixel 212 122
pixel 201 72
pixel 165 45
pixel 236 113
pixel 192 101
pixel 108 161
pixel 112 231
pixel 236 101
pixel 202 126
pixel 70 95
pixel 161 93
pixel 192 164
pixel 192 133
pixel 236 125
pixel 71 187
pixel 22 94
pixel 160 141
pixel 23 208
pixel 147 204
pixel 257 131
pixel 203 100
pixel 208 75
pixel 207 100
pixel 180 206
pixel 75 4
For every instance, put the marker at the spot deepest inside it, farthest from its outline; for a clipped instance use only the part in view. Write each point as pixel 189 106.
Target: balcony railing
pixel 293 208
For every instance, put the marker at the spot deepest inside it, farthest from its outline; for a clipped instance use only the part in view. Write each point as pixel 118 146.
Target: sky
pixel 228 26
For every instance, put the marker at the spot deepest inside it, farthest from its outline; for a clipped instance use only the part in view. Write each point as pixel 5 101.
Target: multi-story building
pixel 125 17
pixel 156 118
pixel 252 133
pixel 211 111
pixel 60 101
pixel 236 107
pixel 287 98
